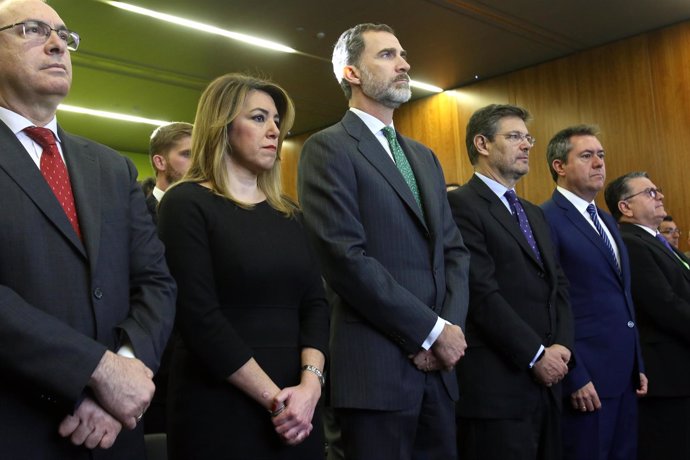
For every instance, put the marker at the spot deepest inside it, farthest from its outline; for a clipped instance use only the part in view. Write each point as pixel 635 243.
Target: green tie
pixel 402 164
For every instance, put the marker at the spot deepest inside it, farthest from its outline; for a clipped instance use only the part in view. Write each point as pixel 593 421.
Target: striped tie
pixel 595 219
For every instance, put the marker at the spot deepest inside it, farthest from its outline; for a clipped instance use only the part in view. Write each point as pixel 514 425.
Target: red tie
pixel 55 172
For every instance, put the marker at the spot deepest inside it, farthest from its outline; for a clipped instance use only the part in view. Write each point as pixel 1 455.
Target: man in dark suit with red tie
pixel 519 326
pixel 661 291
pixel 86 300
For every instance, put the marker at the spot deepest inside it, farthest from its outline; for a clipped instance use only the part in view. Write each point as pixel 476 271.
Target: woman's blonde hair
pixel 219 105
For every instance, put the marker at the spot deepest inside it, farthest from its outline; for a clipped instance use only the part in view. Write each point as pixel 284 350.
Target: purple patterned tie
pixel 519 213
pixel 665 242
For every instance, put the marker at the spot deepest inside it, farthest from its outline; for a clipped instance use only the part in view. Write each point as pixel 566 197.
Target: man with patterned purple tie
pixel 661 290
pixel 600 417
pixel 86 299
pixel 519 327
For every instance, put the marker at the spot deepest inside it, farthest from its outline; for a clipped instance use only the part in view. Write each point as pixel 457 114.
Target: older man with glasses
pixel 660 276
pixel 86 300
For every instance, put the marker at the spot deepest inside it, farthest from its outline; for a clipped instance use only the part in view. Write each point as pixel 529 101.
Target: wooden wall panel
pixel 549 92
pixel 615 90
pixel 670 69
pixel 289 157
pixel 433 121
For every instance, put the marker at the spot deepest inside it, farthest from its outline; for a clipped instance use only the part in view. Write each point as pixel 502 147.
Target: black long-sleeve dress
pixel 248 286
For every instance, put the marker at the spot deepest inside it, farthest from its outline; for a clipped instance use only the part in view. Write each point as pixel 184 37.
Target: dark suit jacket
pixel 64 301
pixel 516 305
pixel 152 206
pixel 607 348
pixel 661 290
pixel 393 271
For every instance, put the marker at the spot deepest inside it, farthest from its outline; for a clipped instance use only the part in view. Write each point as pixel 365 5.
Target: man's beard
pixel 172 176
pixel 391 94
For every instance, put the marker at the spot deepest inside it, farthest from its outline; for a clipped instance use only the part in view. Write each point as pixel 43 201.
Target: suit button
pixel 97 293
pixel 631 324
pixel 548 335
pixel 540 274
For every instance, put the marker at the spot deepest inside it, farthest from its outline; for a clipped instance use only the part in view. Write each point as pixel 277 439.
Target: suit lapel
pixel 499 211
pixel 425 187
pixel 661 247
pixel 82 164
pixel 15 161
pixel 581 224
pixel 371 149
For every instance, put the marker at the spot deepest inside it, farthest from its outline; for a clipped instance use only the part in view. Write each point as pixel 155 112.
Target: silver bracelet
pixel 316 371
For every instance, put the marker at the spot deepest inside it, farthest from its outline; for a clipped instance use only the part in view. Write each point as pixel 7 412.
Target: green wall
pixel 141 161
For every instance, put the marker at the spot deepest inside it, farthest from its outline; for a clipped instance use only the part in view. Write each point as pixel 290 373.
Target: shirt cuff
pixel 435 332
pixel 537 356
pixel 126 350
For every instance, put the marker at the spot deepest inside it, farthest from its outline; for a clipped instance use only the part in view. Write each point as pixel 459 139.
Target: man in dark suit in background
pixel 170 151
pixel 661 290
pixel 170 154
pixel 670 231
pixel 519 326
pixel 600 418
pixel 376 209
pixel 83 280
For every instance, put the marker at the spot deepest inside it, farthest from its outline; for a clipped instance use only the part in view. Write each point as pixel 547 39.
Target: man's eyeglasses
pixel 516 138
pixel 651 193
pixel 670 231
pixel 38 30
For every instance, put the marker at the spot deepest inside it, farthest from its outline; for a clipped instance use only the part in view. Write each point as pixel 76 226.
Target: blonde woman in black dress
pixel 252 320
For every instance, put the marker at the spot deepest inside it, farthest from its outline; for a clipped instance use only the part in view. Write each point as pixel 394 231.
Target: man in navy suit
pixel 86 299
pixel 660 276
pixel 519 328
pixel 600 420
pixel 375 206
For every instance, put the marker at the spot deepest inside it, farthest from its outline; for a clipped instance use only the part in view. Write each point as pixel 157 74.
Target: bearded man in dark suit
pixel 375 206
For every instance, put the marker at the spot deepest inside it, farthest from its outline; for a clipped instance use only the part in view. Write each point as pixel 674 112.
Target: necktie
pixel 595 218
pixel 402 164
pixel 55 172
pixel 665 242
pixel 519 213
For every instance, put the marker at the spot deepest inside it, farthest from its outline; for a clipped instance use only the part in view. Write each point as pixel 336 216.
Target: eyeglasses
pixel 670 231
pixel 651 193
pixel 517 138
pixel 38 30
